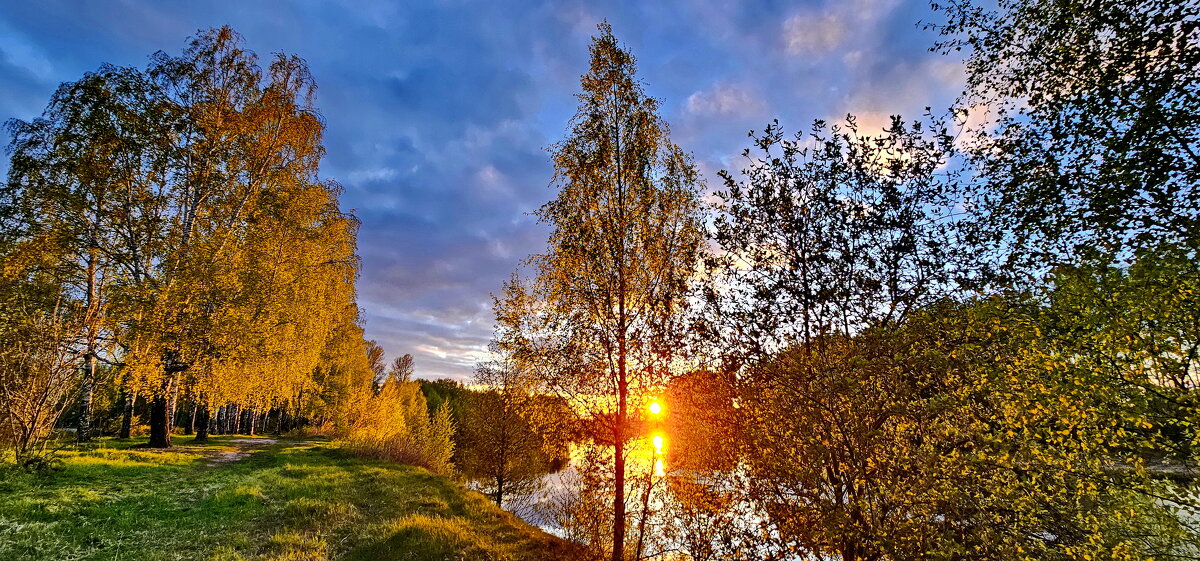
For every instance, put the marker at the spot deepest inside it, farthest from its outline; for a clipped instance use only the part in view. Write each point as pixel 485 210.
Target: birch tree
pixel 243 140
pixel 601 321
pixel 78 199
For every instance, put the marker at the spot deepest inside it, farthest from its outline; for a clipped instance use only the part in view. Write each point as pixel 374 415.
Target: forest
pixel 974 334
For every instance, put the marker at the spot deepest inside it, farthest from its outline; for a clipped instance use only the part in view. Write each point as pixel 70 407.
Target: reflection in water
pixel 645 458
pixel 689 510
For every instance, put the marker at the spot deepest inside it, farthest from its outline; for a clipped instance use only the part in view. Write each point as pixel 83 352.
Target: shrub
pixel 396 426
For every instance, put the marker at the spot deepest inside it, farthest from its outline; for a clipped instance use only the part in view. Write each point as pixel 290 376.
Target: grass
pixel 291 500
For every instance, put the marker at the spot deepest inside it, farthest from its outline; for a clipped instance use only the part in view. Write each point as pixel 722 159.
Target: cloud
pixel 838 25
pixel 813 34
pixel 722 100
pixel 437 113
pixel 889 86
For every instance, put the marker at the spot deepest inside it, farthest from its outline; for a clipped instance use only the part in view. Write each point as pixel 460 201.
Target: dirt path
pixel 244 446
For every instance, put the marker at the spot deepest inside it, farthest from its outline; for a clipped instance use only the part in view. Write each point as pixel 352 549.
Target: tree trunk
pixel 202 421
pixel 162 407
pixel 172 399
pixel 190 427
pixel 160 424
pixel 637 551
pixel 84 431
pixel 127 416
pixel 500 491
pixel 622 411
pixel 622 373
pixel 619 461
pixel 619 501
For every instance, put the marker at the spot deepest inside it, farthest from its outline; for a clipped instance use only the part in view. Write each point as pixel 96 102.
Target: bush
pixel 397 427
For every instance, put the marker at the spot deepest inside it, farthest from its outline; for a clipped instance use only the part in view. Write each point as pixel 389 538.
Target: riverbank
pixel 244 498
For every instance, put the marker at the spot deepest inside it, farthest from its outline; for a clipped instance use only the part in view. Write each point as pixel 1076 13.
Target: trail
pixel 244 449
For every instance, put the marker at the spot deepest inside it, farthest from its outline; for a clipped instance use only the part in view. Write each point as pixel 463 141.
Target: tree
pixel 79 174
pixel 1090 148
pixel 376 361
pixel 443 391
pixel 402 368
pixel 824 239
pixel 829 233
pixel 602 319
pixel 39 372
pixel 395 423
pixel 294 279
pixel 439 441
pixel 962 433
pixel 344 382
pixel 505 441
pixel 1086 177
pixel 242 144
pixel 179 207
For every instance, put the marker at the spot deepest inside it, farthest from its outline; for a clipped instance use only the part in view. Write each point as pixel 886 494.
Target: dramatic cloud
pixel 439 113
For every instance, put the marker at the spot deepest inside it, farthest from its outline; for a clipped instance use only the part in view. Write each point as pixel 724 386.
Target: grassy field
pixel 242 498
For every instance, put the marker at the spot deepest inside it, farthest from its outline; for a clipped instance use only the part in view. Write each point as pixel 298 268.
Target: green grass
pixel 293 500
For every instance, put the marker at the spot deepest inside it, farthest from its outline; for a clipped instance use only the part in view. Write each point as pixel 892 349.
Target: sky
pixel 439 112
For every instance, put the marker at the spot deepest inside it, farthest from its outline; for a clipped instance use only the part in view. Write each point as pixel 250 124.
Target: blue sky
pixel 439 113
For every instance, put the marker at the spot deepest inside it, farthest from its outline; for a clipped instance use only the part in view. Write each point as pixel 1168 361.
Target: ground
pixel 242 498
